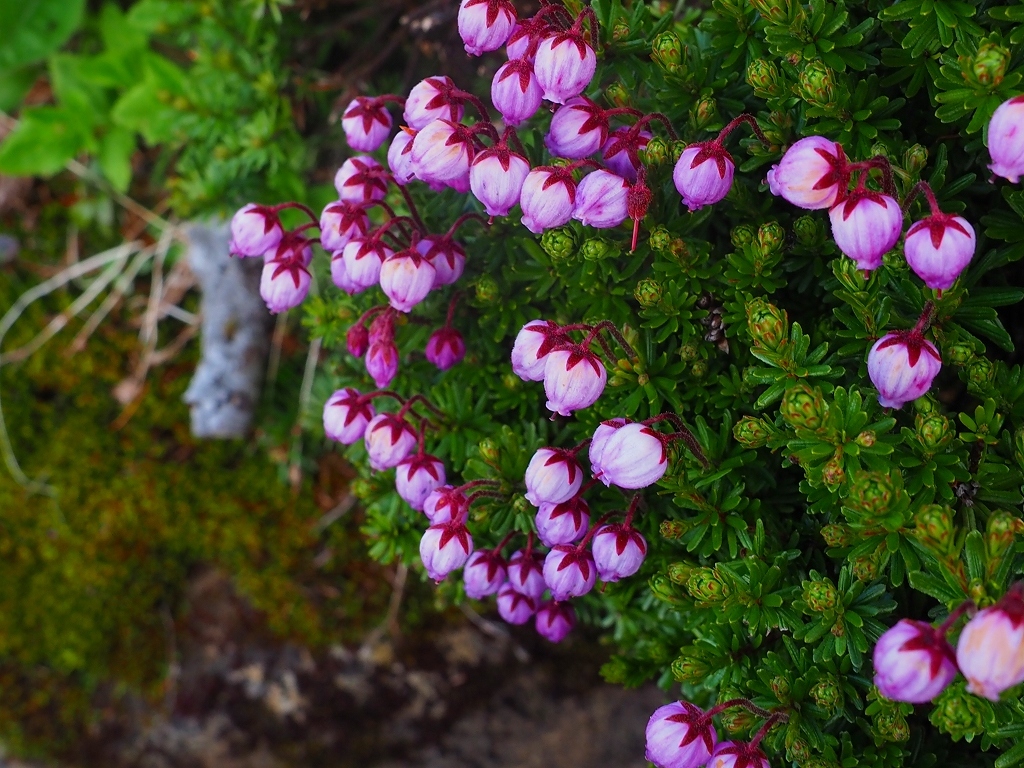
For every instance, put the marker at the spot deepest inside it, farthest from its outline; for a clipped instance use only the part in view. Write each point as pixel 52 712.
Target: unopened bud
pixel 872 493
pixel 657 151
pixel 705 585
pixel 865 567
pixel 763 76
pixel 770 237
pixel 774 11
pixel 799 751
pixel 820 595
pixel 809 231
pixel 736 719
pixel 1001 531
pixel 742 234
pixel 832 473
pixel 617 94
pixel 679 573
pixel 817 85
pixel 751 432
pixel 688 352
pixel 827 694
pixel 690 668
pixel 667 51
pixel 989 64
pixel 597 248
pixel 699 369
pixel 672 530
pixel 780 687
pixel 981 372
pixel 866 439
pixel 559 243
pixel 915 158
pixel 679 250
pixel 705 112
pixel 836 535
pixel 960 714
pixel 933 527
pixel 678 147
pixel 803 407
pixel 648 292
pixel 768 325
pixel 620 30
pixel 487 290
pixel 489 450
pixel 659 240
pixel 663 589
pixel 892 726
pixel 933 430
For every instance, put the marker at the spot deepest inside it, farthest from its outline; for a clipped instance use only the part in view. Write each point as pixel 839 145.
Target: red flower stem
pixel 412 207
pixel 623 111
pixel 479 105
pixel 577 448
pixel 304 208
pixel 777 717
pixel 462 220
pixel 608 325
pixel 586 487
pixel 484 495
pixel 747 704
pixel 691 442
pixel 477 483
pixel 633 504
pixel 399 221
pixel 451 308
pixel 547 6
pixel 370 313
pixel 661 119
pixel 504 541
pixel 417 398
pixel 384 393
pixel 926 318
pixel 593 529
pixel 964 607
pixel 735 123
pixel 529 545
pixel 381 204
pixel 588 15
pixel 575 327
pixel 389 98
pixel 667 416
pixel 486 128
pixel 302 228
pixel 510 134
pixel 923 188
pixel 420 437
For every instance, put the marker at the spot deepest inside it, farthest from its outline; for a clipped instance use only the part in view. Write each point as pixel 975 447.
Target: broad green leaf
pixel 33 29
pixel 45 139
pixel 115 154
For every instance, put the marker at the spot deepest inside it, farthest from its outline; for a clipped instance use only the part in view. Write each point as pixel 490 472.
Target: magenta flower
pixel 285 281
pixel 703 174
pixel 578 129
pixel 865 226
pixel 484 574
pixel 515 92
pixel 526 32
pixel 446 256
pixel 382 362
pixel 555 621
pixel 565 65
pixel 485 25
pixel 553 476
pixel 938 248
pixel 526 574
pixel 406 278
pixel 339 274
pixel 619 551
pixel 902 365
pixel 442 152
pixel 444 548
pixel 1006 140
pixel 255 230
pixel 515 607
pixel 990 650
pixel 366 123
pixel 574 378
pixel 632 456
pixel 547 199
pixel 341 222
pixel 601 200
pixel 417 476
pixel 357 339
pixel 569 571
pixel 445 348
pixel 812 174
pixel 400 156
pixel 361 179
pixel 496 178
pixel 432 99
pixel 619 151
pixel 738 754
pixel 564 523
pixel 388 440
pixel 363 259
pixel 346 415
pixel 445 503
pixel 680 735
pixel 913 662
pixel 536 340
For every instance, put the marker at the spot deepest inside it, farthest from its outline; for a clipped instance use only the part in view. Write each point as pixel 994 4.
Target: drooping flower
pixel 363 259
pixel 703 174
pixel 340 222
pixel 485 25
pixel 630 456
pixel 812 174
pixel 738 754
pixel 445 503
pixel 445 348
pixel 990 650
pixel 913 662
pixel 366 123
pixel 902 365
pixel 496 178
pixel 866 225
pixel 417 476
pixel 361 179
pixel 536 340
pixel 565 65
pixel 569 571
pixel 388 439
pixel 547 198
pixel 578 129
pixel 484 574
pixel 442 152
pixel 621 151
pixel 382 362
pixel 406 278
pixel 515 607
pixel 526 574
pixel 515 91
pixel 939 247
pixel 445 255
pixel 555 621
pixel 444 548
pixel 432 99
pixel 553 476
pixel 357 339
pixel 601 200
pixel 346 415
pixel 400 156
pixel 255 230
pixel 564 523
pixel 285 280
pixel 1006 140
pixel 619 551
pixel 680 735
pixel 574 378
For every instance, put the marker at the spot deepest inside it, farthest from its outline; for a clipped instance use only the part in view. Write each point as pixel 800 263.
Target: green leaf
pixel 1013 756
pixel 44 141
pixel 33 29
pixel 14 84
pixel 115 154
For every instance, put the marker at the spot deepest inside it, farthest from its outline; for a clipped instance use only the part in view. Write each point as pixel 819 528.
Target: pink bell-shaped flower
pixel 432 99
pixel 526 574
pixel 361 179
pixel 902 365
pixel 285 280
pixel 574 378
pixel 485 25
pixel 938 248
pixel 569 571
pixel 738 754
pixel 990 650
pixel 703 174
pixel 382 362
pixel 442 152
pixel 417 476
pixel 865 226
pixel 444 548
pixel 555 621
pixel 255 230
pixel 1006 140
pixel 547 199
pixel 446 256
pixel 812 174
pixel 363 259
pixel 621 151
pixel 357 339
pixel 601 435
pixel 565 65
pixel 515 607
pixel 619 551
pixel 632 456
pixel 553 476
pixel 341 222
pixel 346 415
pixel 515 92
pixel 400 156
pixel 526 35
pixel 366 123
pixel 445 348
pixel 496 178
pixel 484 574
pixel 680 735
pixel 601 200
pixel 388 439
pixel 406 278
pixel 339 274
pixel 564 523
pixel 445 503
pixel 536 340
pixel 578 129
pixel 913 662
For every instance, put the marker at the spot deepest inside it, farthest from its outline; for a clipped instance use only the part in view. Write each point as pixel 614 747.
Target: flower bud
pixel 362 259
pixel 417 476
pixel 812 174
pixel 738 754
pixel 657 152
pixel 836 535
pixel 366 123
pixel 445 548
pixel 803 408
pixel 484 574
pixel 981 373
pixel 990 651
pixel 933 527
pixel 659 240
pixel 616 151
pixel 627 455
pixel 810 233
pixel 569 571
pixel 346 415
pixel 563 523
pixel 989 64
pixel 690 668
pixel 617 94
pixel 574 378
pixel 679 735
pixel 445 504
pixel 938 248
pixel 535 341
pixel 703 175
pixel 619 551
pixel 751 432
pixel 663 589
pixel 678 573
pixel 865 225
pixel 496 179
pixel 255 230
pixel 872 492
pixel 648 292
pixel 388 439
pixel 357 339
pixel 555 621
pixel 902 365
pixel 400 156
pixel 432 99
pixel 933 430
pixel 382 362
pixel 547 199
pixel 553 476
pixel 560 243
pixel 667 51
pixel 597 249
pixel 515 91
pixel 285 280
pixel 915 158
pixel 515 607
pixel 817 85
pixel 565 65
pixel 445 255
pixel 705 585
pixel 913 662
pixel 763 76
pixel 704 112
pixel 578 129
pixel 770 237
pixel 485 25
pixel 442 152
pixel 526 574
pixel 406 278
pixel 1006 140
pixel 341 222
pixel 445 348
pixel 361 179
pixel 601 200
pixel 820 595
pixel 1001 532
